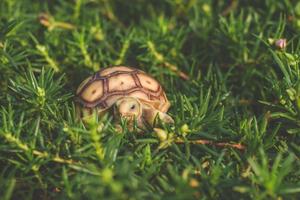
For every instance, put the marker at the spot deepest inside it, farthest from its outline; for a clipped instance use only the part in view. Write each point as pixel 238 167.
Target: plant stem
pixel 209 142
pixel 10 138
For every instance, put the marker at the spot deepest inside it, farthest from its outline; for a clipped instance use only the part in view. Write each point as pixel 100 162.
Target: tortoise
pixel 129 92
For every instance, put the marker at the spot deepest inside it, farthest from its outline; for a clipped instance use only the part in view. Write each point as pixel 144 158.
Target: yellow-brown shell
pixel 106 86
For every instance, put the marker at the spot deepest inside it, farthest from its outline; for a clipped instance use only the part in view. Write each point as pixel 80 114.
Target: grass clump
pixel 228 79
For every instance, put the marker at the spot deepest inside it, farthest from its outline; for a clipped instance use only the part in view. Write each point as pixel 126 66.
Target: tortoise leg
pixel 150 114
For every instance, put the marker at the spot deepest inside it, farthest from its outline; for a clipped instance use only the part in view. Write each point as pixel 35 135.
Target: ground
pixel 229 68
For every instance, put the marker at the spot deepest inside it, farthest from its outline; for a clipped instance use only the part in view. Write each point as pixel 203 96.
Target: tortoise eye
pixel 132 107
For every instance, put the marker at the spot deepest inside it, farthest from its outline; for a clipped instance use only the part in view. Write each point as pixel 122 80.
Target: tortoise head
pixel 131 108
pixel 128 107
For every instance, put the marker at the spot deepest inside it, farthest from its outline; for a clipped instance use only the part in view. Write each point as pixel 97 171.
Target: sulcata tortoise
pixel 127 92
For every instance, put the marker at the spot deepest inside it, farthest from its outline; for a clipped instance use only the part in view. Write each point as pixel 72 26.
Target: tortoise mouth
pixel 129 115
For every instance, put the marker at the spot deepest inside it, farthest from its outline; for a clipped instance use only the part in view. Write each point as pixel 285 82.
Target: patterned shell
pixel 106 86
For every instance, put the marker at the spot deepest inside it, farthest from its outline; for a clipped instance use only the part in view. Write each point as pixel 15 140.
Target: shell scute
pixel 139 94
pixel 148 82
pixel 93 91
pixel 121 82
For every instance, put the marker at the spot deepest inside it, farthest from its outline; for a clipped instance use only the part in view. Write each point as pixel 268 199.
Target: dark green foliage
pixel 241 89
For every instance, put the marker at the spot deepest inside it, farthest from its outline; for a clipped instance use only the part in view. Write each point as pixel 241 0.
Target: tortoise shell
pixel 106 86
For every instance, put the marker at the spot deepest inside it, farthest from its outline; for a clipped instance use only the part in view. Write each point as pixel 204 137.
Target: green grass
pixel 241 89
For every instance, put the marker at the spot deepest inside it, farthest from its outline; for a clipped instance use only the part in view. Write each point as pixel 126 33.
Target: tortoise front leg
pixel 150 114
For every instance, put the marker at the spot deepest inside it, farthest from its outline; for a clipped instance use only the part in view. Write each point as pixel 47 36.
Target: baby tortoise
pixel 128 92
